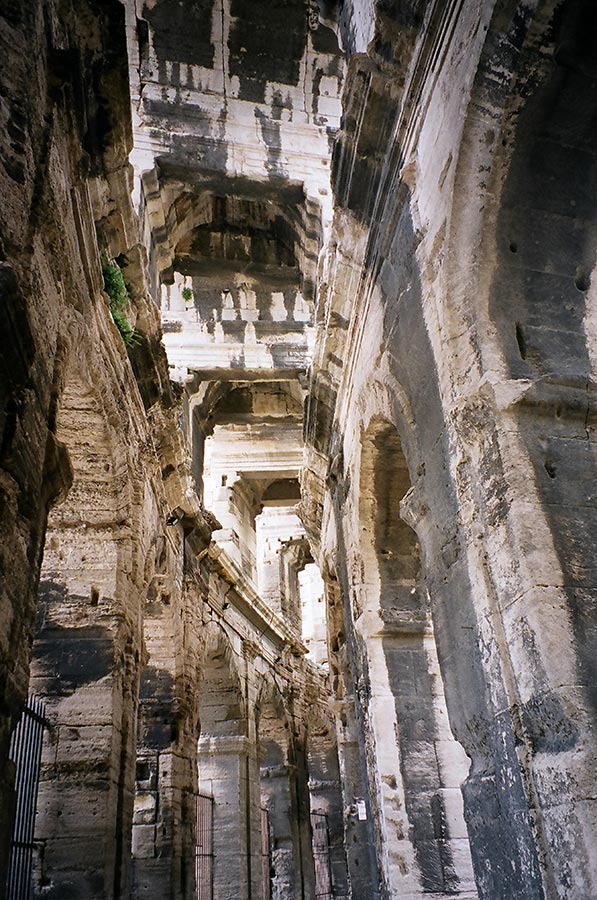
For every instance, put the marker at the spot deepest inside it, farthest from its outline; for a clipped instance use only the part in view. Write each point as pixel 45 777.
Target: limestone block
pixel 79 809
pixel 144 841
pixel 87 745
pixel 75 853
pixel 145 808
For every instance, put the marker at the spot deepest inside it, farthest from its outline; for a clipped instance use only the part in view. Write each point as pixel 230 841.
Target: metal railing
pixel 266 878
pixel 321 856
pixel 25 752
pixel 204 849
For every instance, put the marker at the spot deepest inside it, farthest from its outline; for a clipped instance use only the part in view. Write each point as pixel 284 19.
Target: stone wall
pixel 95 480
pixel 457 286
pixel 65 146
pixel 368 231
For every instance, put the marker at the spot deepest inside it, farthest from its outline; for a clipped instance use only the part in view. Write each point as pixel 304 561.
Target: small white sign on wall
pixel 361 810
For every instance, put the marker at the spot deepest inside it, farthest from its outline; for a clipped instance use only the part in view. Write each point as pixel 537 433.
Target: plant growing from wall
pixel 187 294
pixel 116 289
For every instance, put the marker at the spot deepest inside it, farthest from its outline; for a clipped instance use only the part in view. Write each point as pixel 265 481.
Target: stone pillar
pixel 357 841
pixel 88 678
pixel 164 815
pixel 304 839
pixel 326 797
pixel 253 785
pixel 225 766
pixel 277 799
pixel 33 465
pixel 163 857
pixel 285 795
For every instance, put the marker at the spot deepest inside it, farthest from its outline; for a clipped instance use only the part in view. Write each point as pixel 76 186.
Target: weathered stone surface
pixel 366 233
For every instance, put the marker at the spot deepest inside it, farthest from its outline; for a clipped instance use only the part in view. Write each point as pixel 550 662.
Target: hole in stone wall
pixel 582 280
pixel 550 468
pixel 143 39
pixel 11 414
pixel 513 247
pixel 94 596
pixel 521 341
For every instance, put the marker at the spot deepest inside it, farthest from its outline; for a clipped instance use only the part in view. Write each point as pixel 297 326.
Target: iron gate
pixel 265 856
pixel 204 848
pixel 321 856
pixel 25 752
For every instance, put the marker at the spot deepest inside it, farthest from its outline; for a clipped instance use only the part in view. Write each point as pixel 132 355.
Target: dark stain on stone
pixel 266 47
pixel 270 132
pixel 181 31
pixel 68 658
pixel 316 90
pixel 359 154
pixel 324 40
pixel 547 726
pixel 157 725
pixel 143 361
pixel 209 154
pixel 280 102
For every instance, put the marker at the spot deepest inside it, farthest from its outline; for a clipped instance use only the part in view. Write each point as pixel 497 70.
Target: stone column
pixel 285 795
pixel 166 778
pixel 326 797
pixel 277 799
pixel 90 683
pixel 303 849
pixel 357 840
pixel 225 765
pixel 252 775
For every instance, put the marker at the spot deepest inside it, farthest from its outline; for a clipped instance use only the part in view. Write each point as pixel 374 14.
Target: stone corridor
pixel 298 506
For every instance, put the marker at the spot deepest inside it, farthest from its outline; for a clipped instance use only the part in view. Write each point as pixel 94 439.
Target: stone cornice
pixel 230 744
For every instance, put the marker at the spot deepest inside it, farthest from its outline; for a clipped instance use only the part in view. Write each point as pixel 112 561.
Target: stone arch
pixel 401 660
pixel 546 228
pixel 248 439
pixel 87 651
pixel 527 157
pixel 302 595
pixel 273 724
pixel 390 547
pixel 291 217
pixel 224 403
pixel 220 697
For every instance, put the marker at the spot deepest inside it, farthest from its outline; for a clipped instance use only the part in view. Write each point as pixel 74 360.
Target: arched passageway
pixel 416 767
